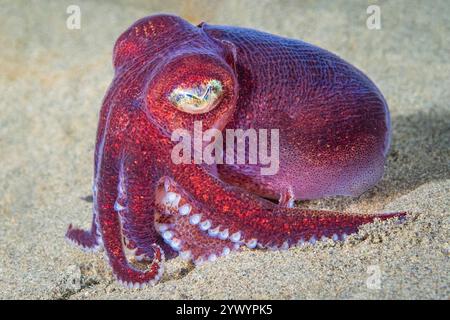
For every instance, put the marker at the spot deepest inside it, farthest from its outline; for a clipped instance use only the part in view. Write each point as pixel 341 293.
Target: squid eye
pixel 198 99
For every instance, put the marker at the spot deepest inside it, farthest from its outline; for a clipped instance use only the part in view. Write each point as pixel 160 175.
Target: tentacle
pixel 87 240
pixel 283 227
pixel 112 197
pixel 180 224
pixel 136 205
pixel 287 199
pixel 111 230
pixel 111 201
pixel 251 219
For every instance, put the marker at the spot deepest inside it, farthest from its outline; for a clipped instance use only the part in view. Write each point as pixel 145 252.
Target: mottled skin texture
pixel 334 135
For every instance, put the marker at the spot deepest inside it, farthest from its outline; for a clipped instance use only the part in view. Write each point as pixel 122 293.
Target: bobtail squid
pixel 334 133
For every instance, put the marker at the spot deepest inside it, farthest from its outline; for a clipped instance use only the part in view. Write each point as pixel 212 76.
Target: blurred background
pixel 52 81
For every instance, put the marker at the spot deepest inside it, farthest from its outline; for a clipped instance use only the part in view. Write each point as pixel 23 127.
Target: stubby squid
pixel 334 133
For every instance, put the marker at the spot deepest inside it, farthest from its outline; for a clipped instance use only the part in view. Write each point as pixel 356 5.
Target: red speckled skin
pixel 334 135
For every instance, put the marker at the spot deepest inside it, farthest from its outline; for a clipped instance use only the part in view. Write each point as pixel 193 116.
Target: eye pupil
pixel 199 98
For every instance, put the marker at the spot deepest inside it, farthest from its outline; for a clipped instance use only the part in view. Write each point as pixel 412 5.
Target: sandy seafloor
pixel 52 82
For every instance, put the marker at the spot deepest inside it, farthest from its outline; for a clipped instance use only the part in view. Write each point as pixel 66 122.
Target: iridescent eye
pixel 197 99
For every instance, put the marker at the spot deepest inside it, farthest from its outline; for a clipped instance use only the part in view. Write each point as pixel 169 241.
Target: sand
pixel 52 82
